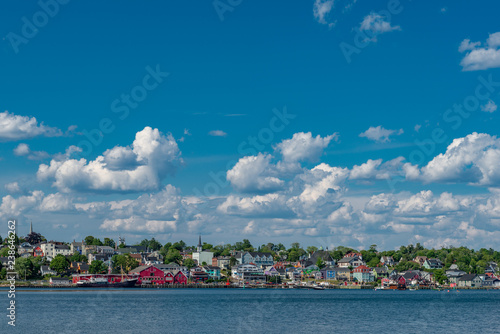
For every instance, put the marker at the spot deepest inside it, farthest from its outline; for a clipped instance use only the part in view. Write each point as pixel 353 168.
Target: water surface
pixel 252 310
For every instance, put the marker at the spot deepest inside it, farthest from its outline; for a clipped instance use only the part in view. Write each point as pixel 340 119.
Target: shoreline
pixel 199 286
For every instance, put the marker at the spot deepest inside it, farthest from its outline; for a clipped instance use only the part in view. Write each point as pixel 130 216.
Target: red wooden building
pixel 180 278
pixel 150 275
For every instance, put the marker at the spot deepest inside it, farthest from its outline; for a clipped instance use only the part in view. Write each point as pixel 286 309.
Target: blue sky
pixel 229 65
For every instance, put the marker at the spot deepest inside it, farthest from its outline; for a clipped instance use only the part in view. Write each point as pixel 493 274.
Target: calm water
pixel 259 310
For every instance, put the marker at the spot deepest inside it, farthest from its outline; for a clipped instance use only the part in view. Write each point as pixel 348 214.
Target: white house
pixel 46 270
pixel 105 250
pixel 50 250
pixel 248 272
pixel 347 262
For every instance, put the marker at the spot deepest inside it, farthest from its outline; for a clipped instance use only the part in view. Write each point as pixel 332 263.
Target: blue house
pixel 328 273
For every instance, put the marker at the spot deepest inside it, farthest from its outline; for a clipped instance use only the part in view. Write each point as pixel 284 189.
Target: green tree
pixel 77 257
pixel 37 262
pixel 89 240
pixel 109 242
pixel 179 245
pixel 97 242
pixel 373 262
pixel 4 252
pixel 98 267
pixel 337 254
pixel 320 263
pixel 33 238
pixel 173 255
pixel 189 263
pixel 154 245
pixel 24 267
pixel 311 249
pixel 60 264
pixel 275 279
pixel 125 262
pixel 232 261
pixel 439 276
pixel 407 265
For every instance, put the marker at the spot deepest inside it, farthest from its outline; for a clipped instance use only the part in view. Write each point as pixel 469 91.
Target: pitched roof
pixel 260 254
pixel 362 267
pixel 467 277
pixel 434 261
pixel 140 268
pixel 46 268
pixel 347 259
pixel 410 274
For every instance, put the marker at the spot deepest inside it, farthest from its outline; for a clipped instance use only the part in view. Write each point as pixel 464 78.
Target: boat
pixel 102 282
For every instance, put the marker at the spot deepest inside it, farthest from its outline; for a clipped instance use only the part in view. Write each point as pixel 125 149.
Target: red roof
pixel 361 268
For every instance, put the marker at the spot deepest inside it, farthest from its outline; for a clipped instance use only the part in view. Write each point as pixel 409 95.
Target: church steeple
pixel 200 247
pixel 31 227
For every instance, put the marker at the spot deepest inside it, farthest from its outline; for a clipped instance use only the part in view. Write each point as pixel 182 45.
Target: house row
pixel 462 279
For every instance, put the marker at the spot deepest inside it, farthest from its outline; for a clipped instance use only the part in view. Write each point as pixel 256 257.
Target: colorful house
pixel 362 274
pixel 37 251
pixel 180 278
pixel 380 272
pixel 328 273
pixel 271 271
pixel 150 275
pixel 212 271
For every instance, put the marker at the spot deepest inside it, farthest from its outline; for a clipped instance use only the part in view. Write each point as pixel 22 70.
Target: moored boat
pixel 102 282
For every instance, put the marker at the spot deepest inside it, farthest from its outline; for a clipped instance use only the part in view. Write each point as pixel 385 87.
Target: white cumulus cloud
pixel 254 174
pixel 377 25
pixel 380 134
pixel 151 157
pixel 303 146
pixel 15 127
pixel 490 106
pixel 481 58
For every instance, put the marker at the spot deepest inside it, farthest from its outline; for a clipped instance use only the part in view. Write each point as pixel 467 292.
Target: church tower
pixel 31 227
pixel 200 247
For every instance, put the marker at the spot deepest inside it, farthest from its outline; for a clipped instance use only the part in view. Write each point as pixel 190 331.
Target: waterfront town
pixel 150 264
